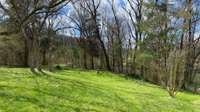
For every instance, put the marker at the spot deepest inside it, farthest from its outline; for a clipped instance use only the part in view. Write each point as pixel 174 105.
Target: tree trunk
pixel 92 62
pixel 26 53
pixel 85 59
pixel 44 62
pixel 103 48
pixel 189 64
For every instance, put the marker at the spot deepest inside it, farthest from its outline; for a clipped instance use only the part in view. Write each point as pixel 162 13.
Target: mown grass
pixel 86 91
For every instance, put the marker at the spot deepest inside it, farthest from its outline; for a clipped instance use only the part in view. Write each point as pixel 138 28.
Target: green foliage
pixel 86 91
pixel 144 58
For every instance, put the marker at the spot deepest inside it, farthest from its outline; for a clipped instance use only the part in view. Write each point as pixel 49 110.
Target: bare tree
pixel 30 17
pixel 91 7
pixel 136 17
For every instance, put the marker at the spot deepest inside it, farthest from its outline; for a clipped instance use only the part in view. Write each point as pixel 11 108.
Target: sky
pixel 104 3
pixel 120 11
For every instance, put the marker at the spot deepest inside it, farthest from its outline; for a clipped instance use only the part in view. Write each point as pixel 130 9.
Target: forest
pixel 153 41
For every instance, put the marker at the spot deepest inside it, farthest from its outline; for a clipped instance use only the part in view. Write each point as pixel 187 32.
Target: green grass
pixel 86 91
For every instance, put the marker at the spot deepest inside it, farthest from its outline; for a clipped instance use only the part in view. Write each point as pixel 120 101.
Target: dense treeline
pixel 155 40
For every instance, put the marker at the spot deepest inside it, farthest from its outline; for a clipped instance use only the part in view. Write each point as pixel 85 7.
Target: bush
pixel 175 70
pixel 58 67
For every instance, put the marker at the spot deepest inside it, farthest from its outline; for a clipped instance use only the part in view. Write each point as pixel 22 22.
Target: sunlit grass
pixel 86 91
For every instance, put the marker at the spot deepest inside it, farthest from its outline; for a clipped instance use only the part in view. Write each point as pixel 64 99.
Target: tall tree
pixel 30 17
pixel 92 9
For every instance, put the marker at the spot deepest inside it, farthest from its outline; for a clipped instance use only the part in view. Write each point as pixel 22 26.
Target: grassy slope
pixel 86 91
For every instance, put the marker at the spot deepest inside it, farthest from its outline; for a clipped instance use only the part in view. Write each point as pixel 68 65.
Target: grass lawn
pixel 86 91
